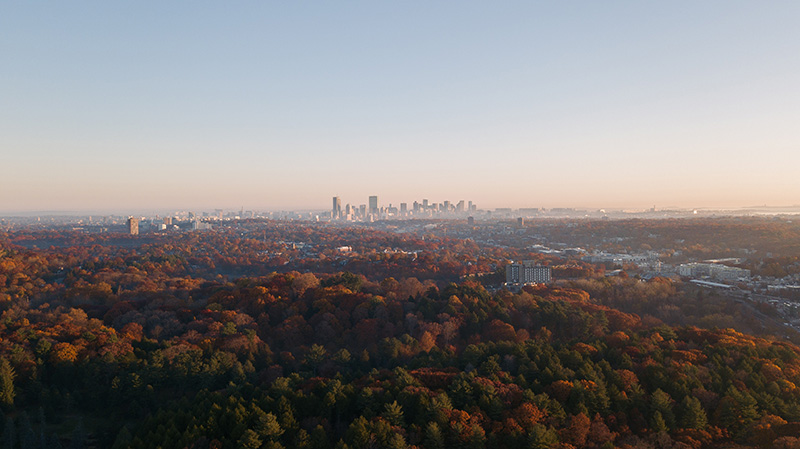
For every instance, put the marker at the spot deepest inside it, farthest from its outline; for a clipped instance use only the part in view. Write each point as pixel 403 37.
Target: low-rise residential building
pixel 713 270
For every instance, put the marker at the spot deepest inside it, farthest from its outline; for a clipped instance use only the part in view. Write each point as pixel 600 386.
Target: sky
pixel 115 106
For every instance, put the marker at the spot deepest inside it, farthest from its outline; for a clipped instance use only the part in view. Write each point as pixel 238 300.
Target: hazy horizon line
pixel 164 210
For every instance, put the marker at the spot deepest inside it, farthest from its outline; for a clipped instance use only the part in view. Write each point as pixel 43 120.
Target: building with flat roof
pixel 133 226
pixel 198 225
pixel 373 204
pixel 713 270
pixel 336 210
pixel 527 272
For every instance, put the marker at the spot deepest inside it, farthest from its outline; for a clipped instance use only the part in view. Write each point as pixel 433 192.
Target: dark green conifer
pixel 7 376
pixel 694 416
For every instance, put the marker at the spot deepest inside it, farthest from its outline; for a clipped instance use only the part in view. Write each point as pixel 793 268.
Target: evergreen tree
pixel 358 433
pixel 7 376
pixel 434 439
pixel 319 438
pixel 302 440
pixel 477 437
pixel 737 409
pixel 123 439
pixel 694 417
pixel 249 440
pixel 394 414
pixel 748 407
pixel 286 418
pixel 540 437
pixel 316 355
pixel 657 423
pixel 269 427
pixel 661 403
pixel 397 442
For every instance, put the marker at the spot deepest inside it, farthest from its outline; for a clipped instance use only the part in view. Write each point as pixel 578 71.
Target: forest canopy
pixel 216 340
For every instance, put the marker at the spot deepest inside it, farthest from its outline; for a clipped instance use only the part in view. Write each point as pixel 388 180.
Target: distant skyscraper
pixel 460 206
pixel 471 221
pixel 373 204
pixel 133 226
pixel 336 212
pixel 403 208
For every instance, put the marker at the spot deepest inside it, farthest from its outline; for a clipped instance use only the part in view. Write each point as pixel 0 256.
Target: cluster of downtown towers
pixel 373 211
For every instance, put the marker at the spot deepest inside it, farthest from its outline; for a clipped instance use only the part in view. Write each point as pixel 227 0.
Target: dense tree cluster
pixel 684 304
pixel 104 344
pixel 246 249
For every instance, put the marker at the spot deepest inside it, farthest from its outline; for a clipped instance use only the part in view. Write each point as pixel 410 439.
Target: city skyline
pixel 360 209
pixel 153 107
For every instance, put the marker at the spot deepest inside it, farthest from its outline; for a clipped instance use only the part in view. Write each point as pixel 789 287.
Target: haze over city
pixel 400 225
pixel 146 106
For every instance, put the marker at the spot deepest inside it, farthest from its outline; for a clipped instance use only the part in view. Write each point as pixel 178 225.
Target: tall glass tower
pixel 373 204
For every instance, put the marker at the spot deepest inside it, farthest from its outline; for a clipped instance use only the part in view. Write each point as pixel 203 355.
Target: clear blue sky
pixel 176 105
